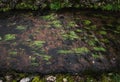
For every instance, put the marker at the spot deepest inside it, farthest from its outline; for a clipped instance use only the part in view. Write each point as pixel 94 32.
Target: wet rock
pixel 51 79
pixel 65 80
pixel 1 80
pixel 8 78
pixel 49 50
pixel 27 79
pixel 0 38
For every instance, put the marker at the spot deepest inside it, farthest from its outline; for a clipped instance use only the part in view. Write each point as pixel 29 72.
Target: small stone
pixel 65 80
pixel 1 80
pixel 8 78
pixel 51 79
pixel 27 79
pixel 93 62
pixel 113 59
pixel 0 38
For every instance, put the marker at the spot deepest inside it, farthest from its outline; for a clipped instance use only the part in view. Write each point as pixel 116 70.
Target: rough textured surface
pixel 6 5
pixel 64 42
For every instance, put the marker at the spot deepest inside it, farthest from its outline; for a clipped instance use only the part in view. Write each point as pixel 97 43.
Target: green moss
pixel 21 75
pixel 81 50
pixel 55 5
pixel 24 5
pixel 105 79
pixel 100 16
pixel 86 27
pixel 78 30
pixel 46 57
pixel 70 79
pixel 104 40
pixel 107 7
pixel 7 8
pixel 118 27
pixel 99 49
pixel 34 64
pixel 21 28
pixel 86 22
pixel 71 24
pixel 37 44
pixel 95 56
pixel 65 51
pixel 33 61
pixel 56 23
pixel 13 52
pixel 14 81
pixel 59 78
pixel 103 32
pixel 115 77
pixel 109 25
pixel 36 79
pixel 92 42
pixel 6 5
pixel 93 27
pixel 70 36
pixel 77 6
pixel 117 32
pixel 9 37
pixel 49 17
pixel 95 6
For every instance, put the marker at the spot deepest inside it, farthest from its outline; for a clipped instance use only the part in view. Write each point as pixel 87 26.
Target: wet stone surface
pixel 62 42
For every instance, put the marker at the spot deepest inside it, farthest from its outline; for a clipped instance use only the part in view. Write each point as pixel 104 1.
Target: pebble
pixel 93 61
pixel 65 80
pixel 27 79
pixel 8 78
pixel 1 80
pixel 51 79
pixel 0 38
